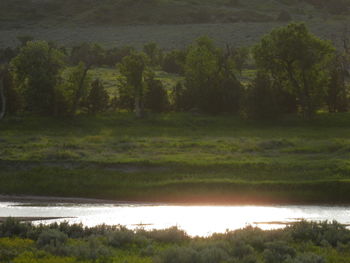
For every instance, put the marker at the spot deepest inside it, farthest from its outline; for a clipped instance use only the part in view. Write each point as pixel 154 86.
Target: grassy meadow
pixel 178 158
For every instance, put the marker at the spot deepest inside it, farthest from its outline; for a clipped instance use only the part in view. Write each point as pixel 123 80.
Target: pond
pixel 196 220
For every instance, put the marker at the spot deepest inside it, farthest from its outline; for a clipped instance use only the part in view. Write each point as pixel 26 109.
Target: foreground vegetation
pixel 177 157
pixel 300 243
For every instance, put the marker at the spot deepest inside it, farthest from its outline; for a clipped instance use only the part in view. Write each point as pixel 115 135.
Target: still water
pixel 195 220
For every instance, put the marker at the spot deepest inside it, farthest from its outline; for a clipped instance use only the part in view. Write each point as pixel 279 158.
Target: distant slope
pixel 121 12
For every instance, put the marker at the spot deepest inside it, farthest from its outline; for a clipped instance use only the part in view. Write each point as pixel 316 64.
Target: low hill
pixel 17 12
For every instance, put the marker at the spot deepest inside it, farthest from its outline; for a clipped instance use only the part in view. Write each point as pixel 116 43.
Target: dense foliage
pixel 292 71
pixel 61 243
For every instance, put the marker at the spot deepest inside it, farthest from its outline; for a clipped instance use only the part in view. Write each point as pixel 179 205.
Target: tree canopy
pixel 298 61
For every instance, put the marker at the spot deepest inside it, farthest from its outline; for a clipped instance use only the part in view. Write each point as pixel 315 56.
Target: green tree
pixel 239 56
pixel 299 61
pixel 10 99
pixel 86 56
pixel 153 52
pixel 98 98
pixel 2 96
pixel 265 99
pixel 76 87
pixel 337 96
pixel 156 97
pixel 133 69
pixel 173 61
pixel 209 78
pixel 37 70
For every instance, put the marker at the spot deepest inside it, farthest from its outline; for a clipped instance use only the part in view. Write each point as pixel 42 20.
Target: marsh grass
pixel 177 156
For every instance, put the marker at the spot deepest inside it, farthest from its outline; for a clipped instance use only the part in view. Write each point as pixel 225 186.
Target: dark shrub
pixel 156 97
pixel 51 237
pixel 178 255
pixel 278 251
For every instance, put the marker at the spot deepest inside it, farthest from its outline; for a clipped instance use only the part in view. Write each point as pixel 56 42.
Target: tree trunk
pixel 138 107
pixel 79 91
pixel 2 100
pixel 138 102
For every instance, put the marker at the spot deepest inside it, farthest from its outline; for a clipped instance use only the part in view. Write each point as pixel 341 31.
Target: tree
pixel 265 99
pixel 239 56
pixel 115 55
pixel 133 69
pixel 298 61
pixel 37 70
pixel 173 61
pixel 86 55
pixel 209 78
pixel 10 101
pixel 97 101
pixel 2 97
pixel 153 52
pixel 156 97
pixel 337 93
pixel 76 87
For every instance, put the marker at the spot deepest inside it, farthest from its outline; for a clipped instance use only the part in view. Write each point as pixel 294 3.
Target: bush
pixel 241 250
pixel 213 255
pixel 308 258
pixel 51 237
pixel 331 233
pixel 93 250
pixel 278 251
pixel 170 235
pixel 177 254
pixel 13 228
pixel 120 238
pixel 73 231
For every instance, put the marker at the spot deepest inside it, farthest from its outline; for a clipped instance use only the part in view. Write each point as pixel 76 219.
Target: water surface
pixel 195 220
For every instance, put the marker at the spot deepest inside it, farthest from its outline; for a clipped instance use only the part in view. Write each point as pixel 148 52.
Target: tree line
pixel 294 71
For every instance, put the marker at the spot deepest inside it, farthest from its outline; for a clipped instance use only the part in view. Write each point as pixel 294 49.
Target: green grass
pixel 178 157
pixel 109 78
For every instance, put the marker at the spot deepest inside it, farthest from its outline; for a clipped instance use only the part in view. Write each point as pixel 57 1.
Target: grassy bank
pixel 178 157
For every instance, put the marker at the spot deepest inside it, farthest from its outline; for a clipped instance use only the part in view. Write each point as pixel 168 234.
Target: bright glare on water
pixel 195 220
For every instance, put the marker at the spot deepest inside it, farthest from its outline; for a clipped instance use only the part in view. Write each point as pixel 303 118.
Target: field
pixel 166 36
pixel 178 158
pixel 170 23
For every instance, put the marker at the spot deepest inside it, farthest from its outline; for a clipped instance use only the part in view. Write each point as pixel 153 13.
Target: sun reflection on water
pixel 195 220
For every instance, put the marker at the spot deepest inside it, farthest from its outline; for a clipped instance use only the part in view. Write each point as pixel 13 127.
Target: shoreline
pixel 30 199
pixel 30 219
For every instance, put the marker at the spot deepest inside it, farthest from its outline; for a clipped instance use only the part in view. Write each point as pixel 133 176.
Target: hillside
pixel 19 12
